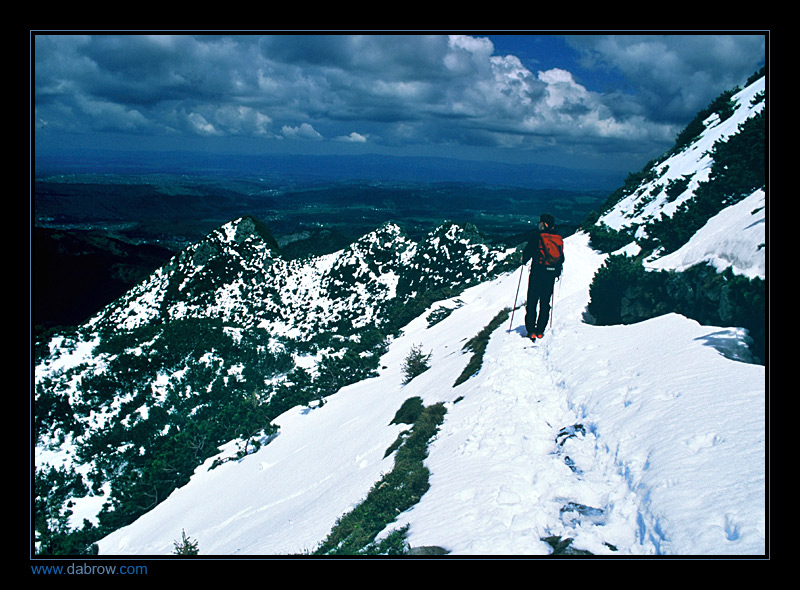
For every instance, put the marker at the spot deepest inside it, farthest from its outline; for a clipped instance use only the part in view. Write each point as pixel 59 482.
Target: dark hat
pixel 548 219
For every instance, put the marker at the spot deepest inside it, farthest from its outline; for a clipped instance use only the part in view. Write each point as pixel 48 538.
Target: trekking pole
pixel 513 309
pixel 553 302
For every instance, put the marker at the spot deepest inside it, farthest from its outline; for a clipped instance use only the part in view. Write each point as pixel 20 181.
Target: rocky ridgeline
pixel 237 274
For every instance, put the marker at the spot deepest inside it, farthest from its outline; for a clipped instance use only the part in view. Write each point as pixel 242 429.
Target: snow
pixel 647 439
pixel 734 238
pixel 695 161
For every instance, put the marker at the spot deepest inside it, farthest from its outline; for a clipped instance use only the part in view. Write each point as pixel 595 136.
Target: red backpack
pixel 551 251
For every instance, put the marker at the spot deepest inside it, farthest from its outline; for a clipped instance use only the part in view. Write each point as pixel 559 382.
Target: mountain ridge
pixel 232 334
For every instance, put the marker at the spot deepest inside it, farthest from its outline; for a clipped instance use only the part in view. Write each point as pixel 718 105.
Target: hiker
pixel 546 249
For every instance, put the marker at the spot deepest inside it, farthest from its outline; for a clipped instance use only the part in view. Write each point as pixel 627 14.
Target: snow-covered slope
pixel 212 347
pixel 631 440
pixel 730 239
pixel 734 238
pixel 694 162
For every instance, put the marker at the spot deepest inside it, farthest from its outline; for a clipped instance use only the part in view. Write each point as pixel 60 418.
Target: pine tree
pixel 186 546
pixel 416 363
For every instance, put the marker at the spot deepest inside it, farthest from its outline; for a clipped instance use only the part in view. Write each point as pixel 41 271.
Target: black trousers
pixel 540 290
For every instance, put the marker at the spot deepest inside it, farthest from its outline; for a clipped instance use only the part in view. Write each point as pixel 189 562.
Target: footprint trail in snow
pixel 512 466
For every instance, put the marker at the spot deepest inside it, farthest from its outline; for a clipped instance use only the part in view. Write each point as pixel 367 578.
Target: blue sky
pixel 609 102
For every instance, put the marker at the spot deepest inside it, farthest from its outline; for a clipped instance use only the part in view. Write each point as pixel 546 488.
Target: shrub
pixel 415 363
pixel 623 292
pixel 396 492
pixel 676 186
pixel 477 345
pixel 609 286
pixel 605 239
pixel 409 411
pixel 186 546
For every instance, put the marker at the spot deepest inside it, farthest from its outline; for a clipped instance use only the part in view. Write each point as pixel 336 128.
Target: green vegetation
pixel 477 345
pixel 53 489
pixel 563 546
pixel 399 312
pixel 623 292
pixel 676 186
pixel 416 363
pixel 397 491
pixel 439 314
pixel 408 413
pixel 605 239
pixel 186 546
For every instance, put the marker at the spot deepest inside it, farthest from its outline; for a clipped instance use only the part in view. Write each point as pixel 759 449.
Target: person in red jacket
pixel 546 249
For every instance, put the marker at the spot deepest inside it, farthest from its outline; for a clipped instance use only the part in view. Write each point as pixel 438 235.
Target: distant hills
pixel 299 167
pixel 77 273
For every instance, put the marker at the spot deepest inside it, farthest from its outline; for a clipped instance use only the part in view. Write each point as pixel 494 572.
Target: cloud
pixel 200 125
pixel 429 90
pixel 675 75
pixel 303 131
pixel 241 120
pixel 352 138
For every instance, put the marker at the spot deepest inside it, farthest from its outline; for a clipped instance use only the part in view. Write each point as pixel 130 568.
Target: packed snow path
pixel 520 466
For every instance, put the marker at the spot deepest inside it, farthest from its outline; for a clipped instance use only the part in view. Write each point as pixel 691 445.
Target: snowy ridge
pixel 630 440
pixel 735 238
pixel 651 199
pixel 235 274
pixel 732 239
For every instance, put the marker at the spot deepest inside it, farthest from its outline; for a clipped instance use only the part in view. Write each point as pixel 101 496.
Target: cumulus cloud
pixel 352 138
pixel 303 131
pixel 241 120
pixel 200 125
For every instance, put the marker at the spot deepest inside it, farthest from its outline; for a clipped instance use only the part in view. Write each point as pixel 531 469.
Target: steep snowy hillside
pixel 733 238
pixel 672 182
pixel 211 348
pixel 629 440
pixel 689 232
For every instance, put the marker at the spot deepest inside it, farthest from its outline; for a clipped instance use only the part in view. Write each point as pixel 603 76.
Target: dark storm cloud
pixel 674 76
pixel 388 90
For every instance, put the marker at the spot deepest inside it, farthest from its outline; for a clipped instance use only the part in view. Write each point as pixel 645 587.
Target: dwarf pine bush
pixel 186 546
pixel 416 363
